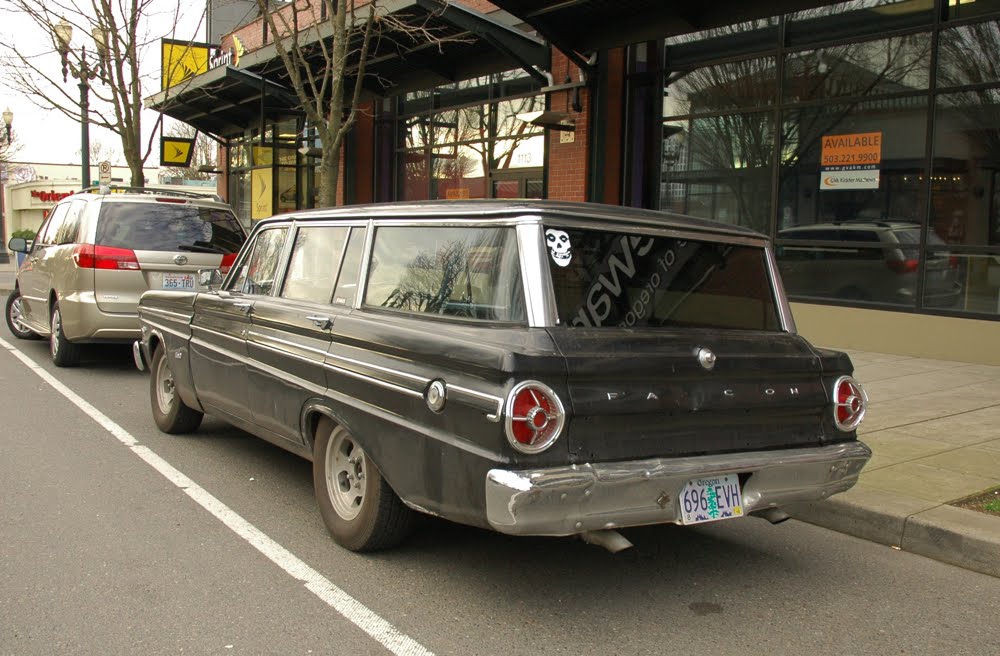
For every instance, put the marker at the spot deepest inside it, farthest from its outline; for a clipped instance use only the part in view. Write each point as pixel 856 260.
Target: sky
pixel 48 136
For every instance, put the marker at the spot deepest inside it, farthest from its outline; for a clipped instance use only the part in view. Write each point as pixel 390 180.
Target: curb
pixel 957 536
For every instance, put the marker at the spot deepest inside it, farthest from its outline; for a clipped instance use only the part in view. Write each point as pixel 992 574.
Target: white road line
pixel 352 610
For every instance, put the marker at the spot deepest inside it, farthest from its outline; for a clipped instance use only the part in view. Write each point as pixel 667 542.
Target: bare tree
pixel 118 34
pixel 205 153
pixel 100 152
pixel 324 46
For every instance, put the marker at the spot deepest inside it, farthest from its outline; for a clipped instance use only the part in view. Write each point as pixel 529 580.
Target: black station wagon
pixel 537 368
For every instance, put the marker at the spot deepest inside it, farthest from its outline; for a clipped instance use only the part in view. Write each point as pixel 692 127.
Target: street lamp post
pixel 84 71
pixel 8 123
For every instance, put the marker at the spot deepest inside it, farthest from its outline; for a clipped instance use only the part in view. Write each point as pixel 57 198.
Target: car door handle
pixel 243 307
pixel 321 322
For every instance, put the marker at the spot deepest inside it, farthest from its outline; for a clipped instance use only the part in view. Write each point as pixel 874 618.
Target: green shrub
pixel 23 233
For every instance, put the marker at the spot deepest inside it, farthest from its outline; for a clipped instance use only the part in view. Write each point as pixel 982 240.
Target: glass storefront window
pixel 971 8
pixel 857 69
pixel 969 55
pixel 978 279
pixel 965 168
pixel 718 168
pixel 723 87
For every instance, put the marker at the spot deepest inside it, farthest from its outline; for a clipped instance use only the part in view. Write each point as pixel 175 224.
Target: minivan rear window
pixel 606 279
pixel 168 227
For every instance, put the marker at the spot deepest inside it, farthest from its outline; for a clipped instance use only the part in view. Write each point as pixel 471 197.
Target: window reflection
pixel 969 55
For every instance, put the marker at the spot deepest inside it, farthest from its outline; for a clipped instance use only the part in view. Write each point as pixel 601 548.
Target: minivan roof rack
pixel 107 189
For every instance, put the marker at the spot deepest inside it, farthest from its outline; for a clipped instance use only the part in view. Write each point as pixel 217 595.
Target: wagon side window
pixel 462 272
pixel 256 272
pixel 314 264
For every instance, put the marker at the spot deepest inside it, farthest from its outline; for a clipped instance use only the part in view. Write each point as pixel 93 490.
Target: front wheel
pixel 170 413
pixel 64 352
pixel 359 508
pixel 15 317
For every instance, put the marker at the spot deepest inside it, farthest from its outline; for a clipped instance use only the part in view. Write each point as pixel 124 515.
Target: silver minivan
pixel 100 249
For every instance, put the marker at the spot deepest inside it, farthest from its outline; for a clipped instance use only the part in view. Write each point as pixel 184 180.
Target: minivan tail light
pixel 903 266
pixel 227 262
pixel 88 256
pixel 850 401
pixel 534 417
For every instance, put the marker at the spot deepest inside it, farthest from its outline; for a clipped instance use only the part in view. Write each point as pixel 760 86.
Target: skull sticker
pixel 559 246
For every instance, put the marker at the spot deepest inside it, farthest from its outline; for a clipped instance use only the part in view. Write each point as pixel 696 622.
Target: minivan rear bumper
pixel 83 321
pixel 577 498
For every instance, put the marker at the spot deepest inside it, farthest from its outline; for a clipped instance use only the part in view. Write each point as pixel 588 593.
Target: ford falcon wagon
pixel 537 368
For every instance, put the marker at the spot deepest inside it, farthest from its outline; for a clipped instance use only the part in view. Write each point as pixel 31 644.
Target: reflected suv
pixel 100 249
pixel 877 261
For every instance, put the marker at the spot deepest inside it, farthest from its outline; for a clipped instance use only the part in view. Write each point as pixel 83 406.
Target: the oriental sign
pixel 50 196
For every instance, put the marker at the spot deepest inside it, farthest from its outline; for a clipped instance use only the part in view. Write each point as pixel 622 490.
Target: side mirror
pixel 210 278
pixel 19 245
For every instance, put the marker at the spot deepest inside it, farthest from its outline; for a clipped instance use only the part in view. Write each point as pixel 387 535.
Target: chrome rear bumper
pixel 577 498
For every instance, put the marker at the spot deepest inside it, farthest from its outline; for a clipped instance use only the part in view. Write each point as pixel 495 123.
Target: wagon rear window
pixel 463 272
pixel 608 279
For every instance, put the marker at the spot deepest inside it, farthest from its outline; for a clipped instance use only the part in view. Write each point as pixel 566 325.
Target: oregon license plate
pixel 178 281
pixel 710 499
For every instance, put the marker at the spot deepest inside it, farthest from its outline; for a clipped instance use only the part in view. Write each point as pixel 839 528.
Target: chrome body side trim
pixel 572 499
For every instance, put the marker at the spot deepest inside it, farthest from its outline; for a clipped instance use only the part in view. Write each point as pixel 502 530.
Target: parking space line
pixel 350 608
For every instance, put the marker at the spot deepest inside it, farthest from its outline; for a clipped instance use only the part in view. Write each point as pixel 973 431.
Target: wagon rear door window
pixel 610 279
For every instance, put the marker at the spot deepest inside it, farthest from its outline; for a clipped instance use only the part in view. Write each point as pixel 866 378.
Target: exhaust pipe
pixel 610 539
pixel 773 515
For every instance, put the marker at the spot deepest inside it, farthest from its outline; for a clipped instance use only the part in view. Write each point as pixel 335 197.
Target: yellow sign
pixel 176 151
pixel 852 149
pixel 181 60
pixel 261 194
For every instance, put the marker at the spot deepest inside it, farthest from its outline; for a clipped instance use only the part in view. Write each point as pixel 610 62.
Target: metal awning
pixel 465 44
pixel 589 25
pixel 225 100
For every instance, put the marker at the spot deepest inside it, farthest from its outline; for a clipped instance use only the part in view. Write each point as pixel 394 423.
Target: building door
pixel 517 183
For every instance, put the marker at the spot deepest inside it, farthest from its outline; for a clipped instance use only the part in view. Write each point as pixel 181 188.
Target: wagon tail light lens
pixel 534 417
pixel 850 401
pixel 88 256
pixel 227 262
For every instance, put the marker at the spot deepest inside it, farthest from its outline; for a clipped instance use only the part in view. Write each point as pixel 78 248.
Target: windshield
pixel 167 227
pixel 609 279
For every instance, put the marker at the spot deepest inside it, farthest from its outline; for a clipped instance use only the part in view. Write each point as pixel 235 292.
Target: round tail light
pixel 849 403
pixel 535 417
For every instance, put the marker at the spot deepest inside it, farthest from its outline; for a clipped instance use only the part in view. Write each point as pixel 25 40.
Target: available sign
pixel 851 161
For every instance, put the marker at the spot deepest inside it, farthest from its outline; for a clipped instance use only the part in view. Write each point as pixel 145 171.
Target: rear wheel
pixel 64 352
pixel 359 508
pixel 170 413
pixel 15 317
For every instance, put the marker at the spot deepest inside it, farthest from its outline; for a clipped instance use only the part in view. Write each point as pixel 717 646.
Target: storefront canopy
pixel 588 25
pixel 453 43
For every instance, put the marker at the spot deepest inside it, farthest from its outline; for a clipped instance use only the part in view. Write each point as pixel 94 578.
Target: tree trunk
pixel 329 174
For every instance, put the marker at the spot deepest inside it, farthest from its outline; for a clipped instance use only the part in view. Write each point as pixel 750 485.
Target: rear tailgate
pixel 649 395
pixel 169 242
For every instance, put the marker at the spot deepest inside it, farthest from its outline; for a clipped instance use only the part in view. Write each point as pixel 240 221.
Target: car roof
pixel 889 224
pixel 498 209
pixel 148 194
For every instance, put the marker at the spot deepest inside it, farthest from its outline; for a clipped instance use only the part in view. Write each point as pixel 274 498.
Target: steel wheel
pixel 346 470
pixel 170 412
pixel 164 385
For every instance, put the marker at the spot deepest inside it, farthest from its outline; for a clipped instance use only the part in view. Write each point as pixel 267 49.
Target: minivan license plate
pixel 178 281
pixel 710 499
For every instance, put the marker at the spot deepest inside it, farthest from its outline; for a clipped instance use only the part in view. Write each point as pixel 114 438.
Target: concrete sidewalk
pixel 934 428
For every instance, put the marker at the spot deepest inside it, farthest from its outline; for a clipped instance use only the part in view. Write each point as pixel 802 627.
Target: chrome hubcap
pixel 164 387
pixel 345 475
pixel 56 329
pixel 17 315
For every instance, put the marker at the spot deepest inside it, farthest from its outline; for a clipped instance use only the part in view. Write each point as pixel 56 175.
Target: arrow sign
pixel 176 151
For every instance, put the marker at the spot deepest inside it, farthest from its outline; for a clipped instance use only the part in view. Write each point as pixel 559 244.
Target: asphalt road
pixel 100 553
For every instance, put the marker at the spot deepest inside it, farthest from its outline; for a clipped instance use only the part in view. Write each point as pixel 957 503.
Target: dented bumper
pixel 576 498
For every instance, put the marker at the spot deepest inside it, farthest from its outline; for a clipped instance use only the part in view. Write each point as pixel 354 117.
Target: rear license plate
pixel 178 281
pixel 711 498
